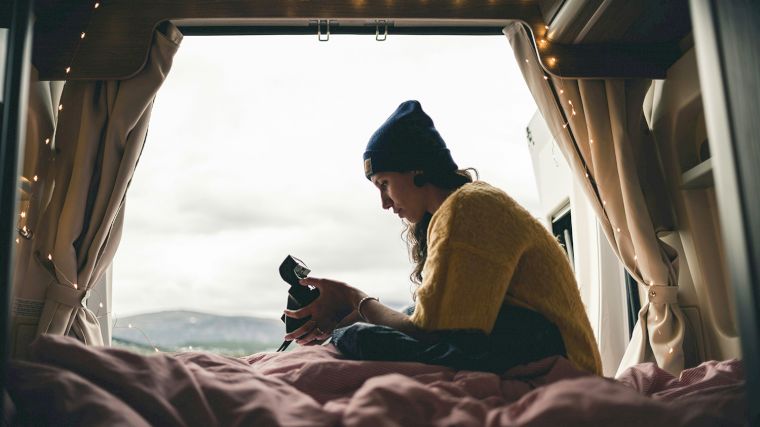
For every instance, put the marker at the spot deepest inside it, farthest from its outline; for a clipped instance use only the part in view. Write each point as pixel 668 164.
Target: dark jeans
pixel 518 337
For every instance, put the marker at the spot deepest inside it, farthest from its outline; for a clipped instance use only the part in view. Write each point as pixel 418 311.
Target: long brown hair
pixel 415 235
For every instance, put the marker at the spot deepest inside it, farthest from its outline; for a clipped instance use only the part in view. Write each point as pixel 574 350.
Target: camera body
pixel 292 270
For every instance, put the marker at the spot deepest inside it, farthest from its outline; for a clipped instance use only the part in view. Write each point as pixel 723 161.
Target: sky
pixel 255 151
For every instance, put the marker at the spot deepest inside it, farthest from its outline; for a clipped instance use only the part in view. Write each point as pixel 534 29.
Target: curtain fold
pixel 600 127
pixel 99 135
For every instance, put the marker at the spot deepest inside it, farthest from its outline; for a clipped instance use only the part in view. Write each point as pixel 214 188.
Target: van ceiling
pixel 119 31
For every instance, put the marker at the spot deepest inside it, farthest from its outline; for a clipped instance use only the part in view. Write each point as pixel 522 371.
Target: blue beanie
pixel 407 141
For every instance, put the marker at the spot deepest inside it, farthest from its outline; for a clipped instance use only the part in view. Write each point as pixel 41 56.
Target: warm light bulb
pixel 47 141
pixel 561 91
pixel 35 178
pixel 546 27
pixel 60 107
pixel 97 5
pixel 552 61
pixel 100 305
pixel 75 286
pixel 542 43
pixel 573 111
pixel 570 101
pixel 591 141
pixel 546 77
pixel 618 229
pixel 68 70
pixel 81 36
pixel 50 257
pixel 670 351
pixel 564 126
pixel 604 202
pixel 23 214
pixel 587 175
pixel 526 59
pixel 18 240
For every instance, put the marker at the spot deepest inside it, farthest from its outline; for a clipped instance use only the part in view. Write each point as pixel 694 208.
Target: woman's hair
pixel 415 235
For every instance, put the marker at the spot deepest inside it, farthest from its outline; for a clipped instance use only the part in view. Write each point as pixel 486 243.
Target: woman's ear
pixel 420 179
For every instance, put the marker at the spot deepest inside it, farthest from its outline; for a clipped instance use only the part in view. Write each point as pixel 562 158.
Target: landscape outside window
pixel 254 152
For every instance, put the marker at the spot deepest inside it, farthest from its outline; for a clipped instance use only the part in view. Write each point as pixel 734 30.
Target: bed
pixel 68 383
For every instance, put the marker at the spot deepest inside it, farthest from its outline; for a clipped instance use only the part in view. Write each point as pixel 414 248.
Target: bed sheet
pixel 67 383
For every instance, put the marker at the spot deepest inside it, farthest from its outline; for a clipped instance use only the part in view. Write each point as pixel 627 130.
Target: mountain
pixel 173 331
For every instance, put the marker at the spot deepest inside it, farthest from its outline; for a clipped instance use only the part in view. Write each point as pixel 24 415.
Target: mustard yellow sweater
pixel 484 249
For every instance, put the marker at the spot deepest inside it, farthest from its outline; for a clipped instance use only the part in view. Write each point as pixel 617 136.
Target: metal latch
pixel 381 23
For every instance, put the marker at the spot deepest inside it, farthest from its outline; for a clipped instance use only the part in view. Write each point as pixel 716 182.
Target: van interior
pixel 644 161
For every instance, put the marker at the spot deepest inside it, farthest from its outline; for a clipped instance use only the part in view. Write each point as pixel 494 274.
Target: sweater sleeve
pixel 474 247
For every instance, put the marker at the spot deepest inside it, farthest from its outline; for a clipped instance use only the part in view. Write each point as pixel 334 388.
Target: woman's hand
pixel 336 301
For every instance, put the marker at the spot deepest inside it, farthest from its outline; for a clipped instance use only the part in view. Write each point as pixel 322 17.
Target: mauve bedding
pixel 67 383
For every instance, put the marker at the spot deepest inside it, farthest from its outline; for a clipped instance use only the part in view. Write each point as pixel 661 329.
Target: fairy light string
pixel 558 87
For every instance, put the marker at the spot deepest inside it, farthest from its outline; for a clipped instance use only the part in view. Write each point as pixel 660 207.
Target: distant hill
pixel 173 331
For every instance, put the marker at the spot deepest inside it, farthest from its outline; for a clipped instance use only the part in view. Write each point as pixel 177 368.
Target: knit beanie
pixel 407 141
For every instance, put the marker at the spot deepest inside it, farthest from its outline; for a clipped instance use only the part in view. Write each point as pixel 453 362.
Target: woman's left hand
pixel 336 300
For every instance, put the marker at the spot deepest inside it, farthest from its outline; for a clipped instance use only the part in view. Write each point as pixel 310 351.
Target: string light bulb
pixel 23 214
pixel 542 43
pixel 76 286
pixel 60 107
pixel 526 59
pixel 47 141
pixel 546 77
pixel 18 240
pixel 68 70
pixel 81 36
pixel 552 61
pixel 50 257
pixel 35 178
pixel 100 305
pixel 97 5
pixel 561 91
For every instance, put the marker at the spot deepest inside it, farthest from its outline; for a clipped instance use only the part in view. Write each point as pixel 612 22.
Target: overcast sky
pixel 254 152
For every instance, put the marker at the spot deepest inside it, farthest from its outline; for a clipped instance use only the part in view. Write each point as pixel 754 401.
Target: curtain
pixel 600 127
pixel 80 158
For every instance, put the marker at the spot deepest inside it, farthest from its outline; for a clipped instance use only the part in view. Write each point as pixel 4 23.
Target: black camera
pixel 292 270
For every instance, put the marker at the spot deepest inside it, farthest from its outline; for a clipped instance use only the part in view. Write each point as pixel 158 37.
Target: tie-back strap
pixel 659 294
pixel 67 295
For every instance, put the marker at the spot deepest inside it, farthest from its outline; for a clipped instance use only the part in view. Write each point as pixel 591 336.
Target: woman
pixel 495 288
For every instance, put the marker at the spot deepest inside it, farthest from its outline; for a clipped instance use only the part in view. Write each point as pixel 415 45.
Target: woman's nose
pixel 386 201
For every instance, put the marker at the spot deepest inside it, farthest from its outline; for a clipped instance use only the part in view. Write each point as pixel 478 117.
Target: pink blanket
pixel 70 384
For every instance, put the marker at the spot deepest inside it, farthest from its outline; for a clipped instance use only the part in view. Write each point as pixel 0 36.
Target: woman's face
pixel 398 192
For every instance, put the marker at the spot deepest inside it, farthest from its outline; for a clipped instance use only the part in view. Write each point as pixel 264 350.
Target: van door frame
pixel 12 138
pixel 728 61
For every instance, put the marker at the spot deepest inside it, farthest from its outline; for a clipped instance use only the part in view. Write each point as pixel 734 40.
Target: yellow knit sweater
pixel 484 249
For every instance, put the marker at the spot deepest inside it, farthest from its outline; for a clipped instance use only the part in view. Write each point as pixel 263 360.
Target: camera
pixel 292 270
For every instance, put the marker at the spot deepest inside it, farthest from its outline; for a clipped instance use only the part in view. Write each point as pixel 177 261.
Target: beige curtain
pixel 600 127
pixel 78 167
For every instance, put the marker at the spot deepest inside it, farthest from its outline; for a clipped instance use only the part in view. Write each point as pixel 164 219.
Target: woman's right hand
pixel 336 301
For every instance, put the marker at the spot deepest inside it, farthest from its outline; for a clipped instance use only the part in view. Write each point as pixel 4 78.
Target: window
pixel 254 153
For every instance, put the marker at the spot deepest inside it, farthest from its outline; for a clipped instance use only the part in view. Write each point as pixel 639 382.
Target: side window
pixel 562 228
